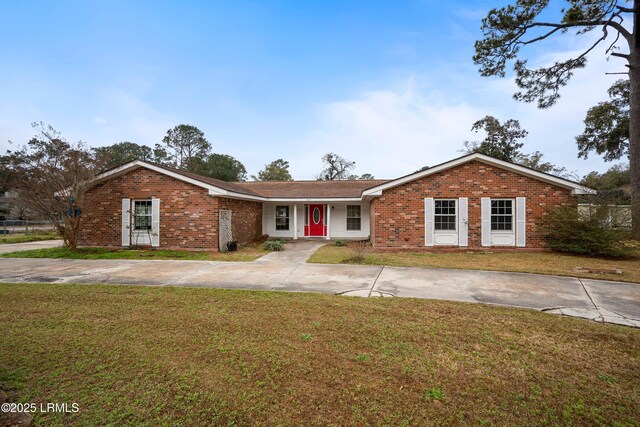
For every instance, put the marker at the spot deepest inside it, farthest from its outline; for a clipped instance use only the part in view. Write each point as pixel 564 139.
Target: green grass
pixel 25 238
pixel 185 356
pixel 244 253
pixel 435 394
pixel 523 262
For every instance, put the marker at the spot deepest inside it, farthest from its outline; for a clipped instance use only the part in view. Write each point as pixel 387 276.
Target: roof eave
pixel 314 199
pixel 561 182
pixel 213 190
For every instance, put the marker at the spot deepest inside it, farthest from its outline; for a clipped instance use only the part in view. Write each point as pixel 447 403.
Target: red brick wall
pixel 188 214
pixel 397 217
pixel 246 218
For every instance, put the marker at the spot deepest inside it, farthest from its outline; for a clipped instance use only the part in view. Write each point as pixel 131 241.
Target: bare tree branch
pixel 42 169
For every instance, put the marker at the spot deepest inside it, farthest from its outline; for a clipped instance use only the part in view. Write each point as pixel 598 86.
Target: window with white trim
pixel 142 215
pixel 444 214
pixel 282 217
pixel 354 217
pixel 501 215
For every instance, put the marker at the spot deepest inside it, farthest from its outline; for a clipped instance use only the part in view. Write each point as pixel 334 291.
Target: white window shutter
pixel 485 209
pixel 155 222
pixel 428 221
pixel 126 222
pixel 463 221
pixel 521 222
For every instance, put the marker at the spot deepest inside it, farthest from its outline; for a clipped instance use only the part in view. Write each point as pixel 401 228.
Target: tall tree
pixel 534 161
pixel 162 156
pixel 508 29
pixel 501 141
pixel 184 143
pixel 363 177
pixel 219 166
pixel 366 176
pixel 606 126
pixel 122 152
pixel 614 183
pixel 335 167
pixel 278 170
pixel 51 176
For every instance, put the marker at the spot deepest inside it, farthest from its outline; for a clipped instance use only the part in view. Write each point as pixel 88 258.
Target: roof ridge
pixel 311 180
pixel 225 185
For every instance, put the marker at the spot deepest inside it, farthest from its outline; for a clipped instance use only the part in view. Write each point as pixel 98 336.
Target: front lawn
pixel 183 356
pixel 25 238
pixel 523 262
pixel 244 253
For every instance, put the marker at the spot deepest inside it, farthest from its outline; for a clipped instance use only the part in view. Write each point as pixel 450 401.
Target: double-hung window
pixel 502 215
pixel 354 217
pixel 142 215
pixel 282 217
pixel 444 215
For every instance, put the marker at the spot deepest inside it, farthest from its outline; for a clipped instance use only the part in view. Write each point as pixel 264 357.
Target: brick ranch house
pixel 471 202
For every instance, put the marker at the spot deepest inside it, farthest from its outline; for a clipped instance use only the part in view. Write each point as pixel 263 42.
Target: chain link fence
pixel 25 226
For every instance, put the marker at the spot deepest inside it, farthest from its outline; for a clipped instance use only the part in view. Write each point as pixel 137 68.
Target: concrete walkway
pixel 295 253
pixel 604 301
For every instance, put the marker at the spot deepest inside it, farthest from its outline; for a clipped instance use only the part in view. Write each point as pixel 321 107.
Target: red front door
pixel 316 220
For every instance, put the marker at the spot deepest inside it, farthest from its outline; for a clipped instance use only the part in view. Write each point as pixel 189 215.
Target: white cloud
pixel 390 129
pixel 470 13
pixel 132 119
pixel 424 120
pixel 388 132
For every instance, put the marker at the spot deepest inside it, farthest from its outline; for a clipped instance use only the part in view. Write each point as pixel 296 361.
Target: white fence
pixel 619 216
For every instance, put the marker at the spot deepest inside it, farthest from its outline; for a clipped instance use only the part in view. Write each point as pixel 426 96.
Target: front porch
pixel 316 219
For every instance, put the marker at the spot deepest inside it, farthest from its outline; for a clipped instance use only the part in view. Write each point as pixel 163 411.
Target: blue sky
pixel 388 84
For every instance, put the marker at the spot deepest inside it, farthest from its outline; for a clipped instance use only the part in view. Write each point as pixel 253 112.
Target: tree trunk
pixel 634 121
pixel 72 232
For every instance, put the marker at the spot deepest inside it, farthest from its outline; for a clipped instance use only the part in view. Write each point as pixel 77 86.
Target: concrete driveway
pixel 604 301
pixel 42 244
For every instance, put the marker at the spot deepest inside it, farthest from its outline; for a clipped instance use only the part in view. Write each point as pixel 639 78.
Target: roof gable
pixel 216 187
pixel 521 170
pixel 255 190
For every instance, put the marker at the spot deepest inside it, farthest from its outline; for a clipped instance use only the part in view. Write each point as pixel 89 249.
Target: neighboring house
pixel 474 201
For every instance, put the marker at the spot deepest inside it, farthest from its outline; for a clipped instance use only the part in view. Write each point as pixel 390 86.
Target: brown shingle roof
pixel 281 189
pixel 290 189
pixel 310 189
pixel 236 187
